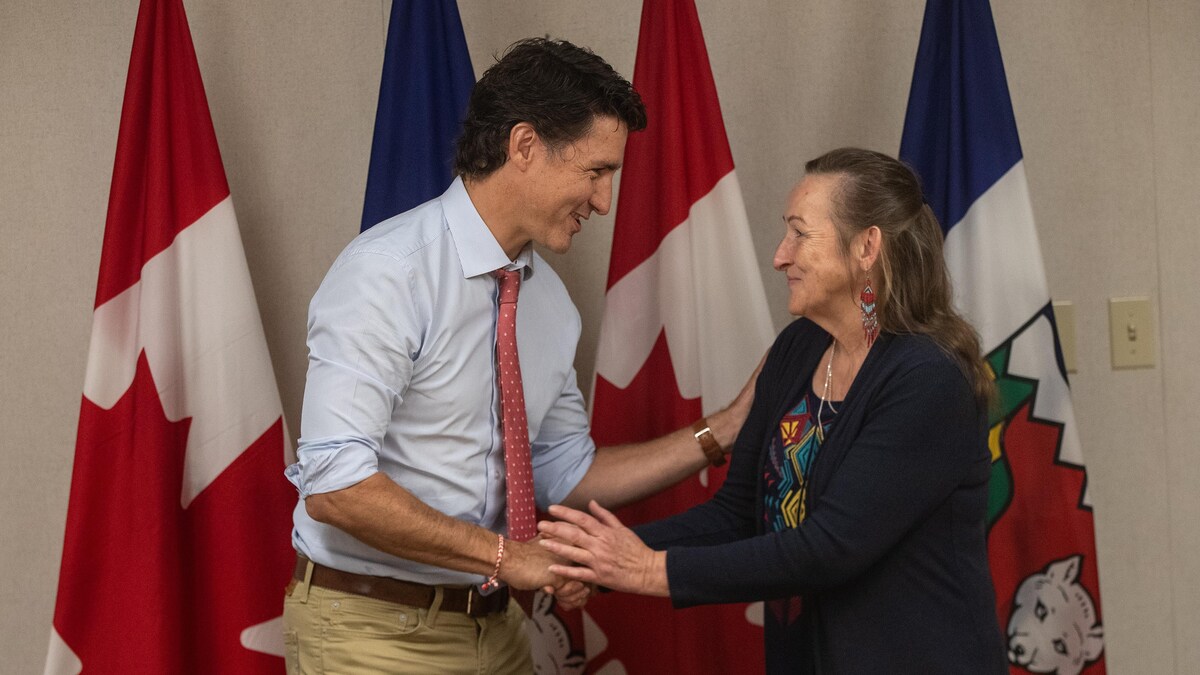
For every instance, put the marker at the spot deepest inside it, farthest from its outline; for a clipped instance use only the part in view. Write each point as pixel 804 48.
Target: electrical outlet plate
pixel 1131 333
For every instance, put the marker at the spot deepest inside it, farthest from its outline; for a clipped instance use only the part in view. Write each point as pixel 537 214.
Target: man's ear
pixel 523 145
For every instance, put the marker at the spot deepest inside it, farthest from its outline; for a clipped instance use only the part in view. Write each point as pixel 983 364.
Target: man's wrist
pixel 708 442
pixel 493 581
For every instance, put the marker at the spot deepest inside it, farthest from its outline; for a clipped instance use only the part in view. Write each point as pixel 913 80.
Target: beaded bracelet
pixel 492 581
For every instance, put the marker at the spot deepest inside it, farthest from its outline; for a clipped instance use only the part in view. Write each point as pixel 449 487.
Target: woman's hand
pixel 604 551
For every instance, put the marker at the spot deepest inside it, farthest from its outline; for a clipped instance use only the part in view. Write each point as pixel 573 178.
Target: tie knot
pixel 510 283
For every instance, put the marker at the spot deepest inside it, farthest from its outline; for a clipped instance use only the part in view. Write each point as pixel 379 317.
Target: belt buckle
pixel 477 602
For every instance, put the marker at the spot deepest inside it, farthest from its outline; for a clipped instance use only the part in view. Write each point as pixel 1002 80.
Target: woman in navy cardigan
pixel 856 499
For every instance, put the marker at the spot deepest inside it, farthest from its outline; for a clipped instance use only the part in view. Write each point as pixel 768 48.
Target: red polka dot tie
pixel 522 519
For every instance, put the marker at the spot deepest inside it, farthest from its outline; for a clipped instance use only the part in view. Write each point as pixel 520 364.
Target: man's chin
pixel 559 246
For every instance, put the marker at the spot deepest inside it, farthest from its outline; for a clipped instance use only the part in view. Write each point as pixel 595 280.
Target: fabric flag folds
pixel 961 137
pixel 423 93
pixel 685 323
pixel 176 550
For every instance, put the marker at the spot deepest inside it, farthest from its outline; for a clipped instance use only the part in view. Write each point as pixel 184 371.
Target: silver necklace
pixel 825 391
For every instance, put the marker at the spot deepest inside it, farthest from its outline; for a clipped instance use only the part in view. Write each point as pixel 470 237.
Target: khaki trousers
pixel 335 633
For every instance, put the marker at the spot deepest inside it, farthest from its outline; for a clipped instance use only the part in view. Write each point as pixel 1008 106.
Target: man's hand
pixel 526 566
pixel 571 594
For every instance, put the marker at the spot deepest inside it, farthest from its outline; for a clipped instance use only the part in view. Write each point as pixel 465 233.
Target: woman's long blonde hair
pixel 913 292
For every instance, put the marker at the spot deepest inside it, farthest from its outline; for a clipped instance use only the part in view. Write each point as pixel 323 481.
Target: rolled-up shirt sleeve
pixel 563 450
pixel 363 337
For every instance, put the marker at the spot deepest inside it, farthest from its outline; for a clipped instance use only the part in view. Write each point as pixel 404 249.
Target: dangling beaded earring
pixel 870 320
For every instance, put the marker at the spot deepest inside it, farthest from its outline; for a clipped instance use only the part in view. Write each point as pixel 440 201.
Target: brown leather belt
pixel 454 598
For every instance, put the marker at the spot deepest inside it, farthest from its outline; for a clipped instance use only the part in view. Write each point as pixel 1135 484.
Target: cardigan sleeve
pixel 728 516
pixel 922 436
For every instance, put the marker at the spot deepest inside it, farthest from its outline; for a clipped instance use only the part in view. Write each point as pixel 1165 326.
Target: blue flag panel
pixel 959 131
pixel 427 80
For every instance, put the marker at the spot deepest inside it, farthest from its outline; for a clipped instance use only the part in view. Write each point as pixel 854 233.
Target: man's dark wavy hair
pixel 553 85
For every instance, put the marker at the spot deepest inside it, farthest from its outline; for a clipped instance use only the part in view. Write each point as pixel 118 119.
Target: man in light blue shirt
pixel 400 468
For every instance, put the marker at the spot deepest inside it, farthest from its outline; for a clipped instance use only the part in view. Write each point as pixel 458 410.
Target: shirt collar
pixel 478 251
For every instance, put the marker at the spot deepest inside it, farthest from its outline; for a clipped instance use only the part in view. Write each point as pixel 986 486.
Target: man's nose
pixel 601 200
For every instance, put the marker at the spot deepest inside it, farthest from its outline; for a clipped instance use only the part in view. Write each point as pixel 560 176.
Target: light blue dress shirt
pixel 402 379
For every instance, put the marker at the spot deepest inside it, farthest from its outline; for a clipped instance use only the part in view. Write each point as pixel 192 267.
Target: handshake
pixel 579 551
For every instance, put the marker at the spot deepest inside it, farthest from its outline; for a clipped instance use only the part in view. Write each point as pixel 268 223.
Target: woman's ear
pixel 870 245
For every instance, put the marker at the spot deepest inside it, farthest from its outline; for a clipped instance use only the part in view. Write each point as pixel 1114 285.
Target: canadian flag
pixel 177 548
pixel 685 323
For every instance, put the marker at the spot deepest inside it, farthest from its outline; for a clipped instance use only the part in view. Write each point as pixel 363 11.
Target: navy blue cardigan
pixel 891 559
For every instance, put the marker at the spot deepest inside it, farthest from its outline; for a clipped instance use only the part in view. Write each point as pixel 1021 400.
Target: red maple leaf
pixel 147 586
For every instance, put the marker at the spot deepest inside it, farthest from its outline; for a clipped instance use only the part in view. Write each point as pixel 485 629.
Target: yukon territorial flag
pixel 961 137
pixel 177 549
pixel 685 322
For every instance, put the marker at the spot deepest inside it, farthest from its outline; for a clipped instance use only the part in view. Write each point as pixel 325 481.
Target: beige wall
pixel 1106 99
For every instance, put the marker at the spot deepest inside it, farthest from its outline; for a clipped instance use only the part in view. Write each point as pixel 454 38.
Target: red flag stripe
pixel 684 151
pixel 168 168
